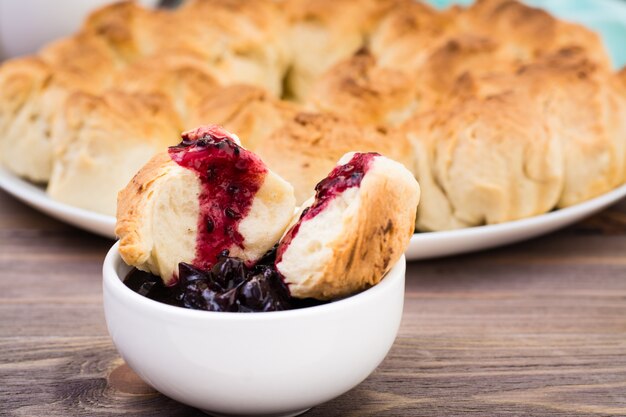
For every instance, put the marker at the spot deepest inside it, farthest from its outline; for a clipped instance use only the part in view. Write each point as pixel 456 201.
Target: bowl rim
pixel 112 281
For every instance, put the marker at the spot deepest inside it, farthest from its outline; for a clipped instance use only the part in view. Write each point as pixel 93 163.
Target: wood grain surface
pixel 534 329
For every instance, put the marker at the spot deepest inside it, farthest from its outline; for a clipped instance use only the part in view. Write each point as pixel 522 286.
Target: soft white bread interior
pixel 356 238
pixel 158 218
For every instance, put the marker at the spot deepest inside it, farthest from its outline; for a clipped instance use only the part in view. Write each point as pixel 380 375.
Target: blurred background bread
pixel 501 110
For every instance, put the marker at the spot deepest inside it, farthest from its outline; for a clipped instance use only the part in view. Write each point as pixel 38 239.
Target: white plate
pixel 422 246
pixel 454 242
pixel 36 197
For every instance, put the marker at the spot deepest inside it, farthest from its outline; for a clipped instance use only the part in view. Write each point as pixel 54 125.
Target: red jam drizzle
pixel 339 180
pixel 230 176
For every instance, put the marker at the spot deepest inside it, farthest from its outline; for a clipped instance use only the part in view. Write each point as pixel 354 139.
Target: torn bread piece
pixel 204 196
pixel 353 231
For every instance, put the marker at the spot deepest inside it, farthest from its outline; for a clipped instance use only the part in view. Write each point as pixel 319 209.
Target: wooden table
pixel 535 329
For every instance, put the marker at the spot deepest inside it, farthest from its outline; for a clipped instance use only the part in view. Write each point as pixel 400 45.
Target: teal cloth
pixel 607 17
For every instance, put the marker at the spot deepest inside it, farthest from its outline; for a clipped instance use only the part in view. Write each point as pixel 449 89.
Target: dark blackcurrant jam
pixel 339 180
pixel 228 286
pixel 230 176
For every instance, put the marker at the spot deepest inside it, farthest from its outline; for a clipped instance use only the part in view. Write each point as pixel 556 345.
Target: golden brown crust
pixel 359 89
pixel 308 146
pixel 531 31
pixel 131 204
pixel 122 26
pixel 185 79
pixel 457 57
pixel 251 112
pixel 375 240
pixel 405 35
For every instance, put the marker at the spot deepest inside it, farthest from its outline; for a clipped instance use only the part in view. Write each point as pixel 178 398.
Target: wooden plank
pixel 534 329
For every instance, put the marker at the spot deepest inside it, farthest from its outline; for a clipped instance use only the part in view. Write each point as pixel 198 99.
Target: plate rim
pixel 608 198
pixel 101 224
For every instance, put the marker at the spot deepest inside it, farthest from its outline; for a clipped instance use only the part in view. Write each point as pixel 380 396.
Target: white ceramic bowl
pixel 276 363
pixel 27 25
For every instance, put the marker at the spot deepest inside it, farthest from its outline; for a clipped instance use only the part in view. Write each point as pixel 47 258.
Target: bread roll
pixel 170 213
pixel 25 88
pixel 308 146
pixel 458 56
pixel 530 32
pixel 243 41
pixel 250 111
pixel 322 33
pixel 357 88
pixel 593 133
pixel 353 231
pixel 32 94
pixel 485 161
pixel 408 32
pixel 125 28
pixel 185 79
pixel 581 103
pixel 101 143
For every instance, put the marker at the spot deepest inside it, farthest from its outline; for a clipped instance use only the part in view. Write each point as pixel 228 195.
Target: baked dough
pixel 586 113
pixel 530 32
pixel 183 78
pixel 33 91
pixel 322 33
pixel 242 41
pixel 485 161
pixel 359 89
pixel 306 148
pixel 102 141
pixel 158 217
pixel 250 111
pixel 356 238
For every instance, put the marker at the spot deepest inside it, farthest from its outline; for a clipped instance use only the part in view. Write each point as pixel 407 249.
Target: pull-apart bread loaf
pixel 204 196
pixel 397 77
pixel 308 146
pixel 352 231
